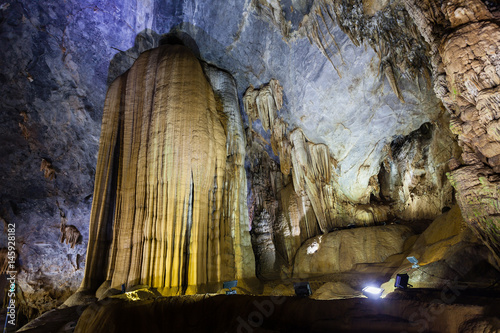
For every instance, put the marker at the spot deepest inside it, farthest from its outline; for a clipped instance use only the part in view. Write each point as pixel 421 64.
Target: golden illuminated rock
pixel 309 162
pixel 465 41
pixel 310 174
pixel 446 251
pixel 169 182
pixel 413 176
pixel 340 251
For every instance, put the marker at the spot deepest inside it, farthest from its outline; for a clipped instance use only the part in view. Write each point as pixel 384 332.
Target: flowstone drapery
pixel 169 186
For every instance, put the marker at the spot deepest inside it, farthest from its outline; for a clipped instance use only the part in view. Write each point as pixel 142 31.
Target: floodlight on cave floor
pixel 229 285
pixel 402 281
pixel 414 261
pixel 302 289
pixel 372 292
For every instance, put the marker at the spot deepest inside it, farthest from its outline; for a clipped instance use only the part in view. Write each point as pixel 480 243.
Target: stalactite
pixel 277 91
pixel 249 103
pixel 408 56
pixel 389 74
pixel 167 193
pixel 308 162
pixel 266 107
pixel 71 235
pixel 310 172
pixel 271 10
pixel 281 145
pixel 263 104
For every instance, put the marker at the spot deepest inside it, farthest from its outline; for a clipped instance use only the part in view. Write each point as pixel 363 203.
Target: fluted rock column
pixel 466 44
pixel 160 210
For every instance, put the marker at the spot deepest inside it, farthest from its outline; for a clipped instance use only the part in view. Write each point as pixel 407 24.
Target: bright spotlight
pixel 372 292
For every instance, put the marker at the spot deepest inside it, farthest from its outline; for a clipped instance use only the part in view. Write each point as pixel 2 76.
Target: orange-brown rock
pixel 48 170
pixel 167 196
pixel 340 251
pixel 467 79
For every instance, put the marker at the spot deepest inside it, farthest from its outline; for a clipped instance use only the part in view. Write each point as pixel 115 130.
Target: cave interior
pixel 303 153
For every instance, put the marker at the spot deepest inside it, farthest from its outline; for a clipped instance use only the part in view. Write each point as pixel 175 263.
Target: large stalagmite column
pixel 160 213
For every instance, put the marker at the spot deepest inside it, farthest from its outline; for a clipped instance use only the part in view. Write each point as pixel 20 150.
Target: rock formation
pixel 295 194
pixel 48 170
pixel 413 176
pixel 329 144
pixel 167 209
pixel 465 43
pixel 340 251
pixel 447 252
pixel 308 163
pixel 71 235
pixel 371 22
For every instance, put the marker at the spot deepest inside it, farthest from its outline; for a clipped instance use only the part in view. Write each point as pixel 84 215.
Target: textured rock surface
pixel 169 181
pixel 448 253
pixel 413 176
pixel 53 80
pixel 58 59
pixel 466 67
pixel 339 251
pixel 290 207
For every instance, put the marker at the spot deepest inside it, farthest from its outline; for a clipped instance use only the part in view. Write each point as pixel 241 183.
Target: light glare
pixel 372 292
pixel 313 248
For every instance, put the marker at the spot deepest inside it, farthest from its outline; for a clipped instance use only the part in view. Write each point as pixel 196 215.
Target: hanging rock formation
pixel 465 43
pixel 170 185
pixel 295 191
pixel 309 163
pixel 373 22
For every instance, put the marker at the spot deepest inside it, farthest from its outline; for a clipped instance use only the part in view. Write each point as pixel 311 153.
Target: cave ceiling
pixel 338 96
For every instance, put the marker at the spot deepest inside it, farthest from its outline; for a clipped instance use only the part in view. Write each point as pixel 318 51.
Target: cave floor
pixel 452 309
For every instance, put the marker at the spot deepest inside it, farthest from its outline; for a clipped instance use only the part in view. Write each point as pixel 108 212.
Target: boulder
pixel 339 251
